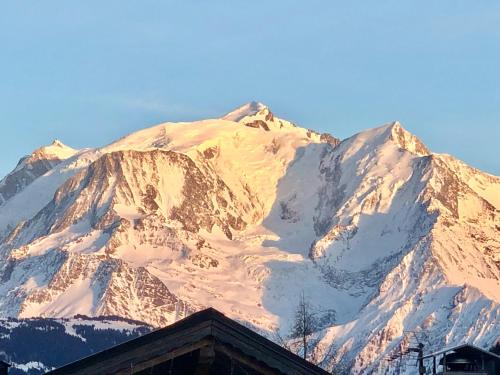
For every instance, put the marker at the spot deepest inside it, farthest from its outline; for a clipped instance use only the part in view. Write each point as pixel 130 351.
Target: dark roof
pixel 208 323
pixel 463 348
pixel 4 364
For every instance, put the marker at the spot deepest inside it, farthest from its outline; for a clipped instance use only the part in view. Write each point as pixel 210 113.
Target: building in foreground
pixel 464 359
pixel 4 368
pixel 204 343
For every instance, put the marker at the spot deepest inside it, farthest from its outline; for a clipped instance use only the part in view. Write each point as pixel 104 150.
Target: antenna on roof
pixel 410 347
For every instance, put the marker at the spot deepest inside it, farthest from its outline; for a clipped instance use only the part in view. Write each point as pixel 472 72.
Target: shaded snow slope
pixel 245 213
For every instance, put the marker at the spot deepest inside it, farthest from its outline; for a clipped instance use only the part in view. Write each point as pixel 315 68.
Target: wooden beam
pixel 205 361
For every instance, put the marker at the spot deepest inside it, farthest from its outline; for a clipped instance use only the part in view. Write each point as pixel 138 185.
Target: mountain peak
pixel 248 109
pixel 391 134
pixel 56 150
pixel 407 140
pixel 32 166
pixel 58 143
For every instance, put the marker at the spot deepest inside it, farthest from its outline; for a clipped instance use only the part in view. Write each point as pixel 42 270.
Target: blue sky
pixel 89 72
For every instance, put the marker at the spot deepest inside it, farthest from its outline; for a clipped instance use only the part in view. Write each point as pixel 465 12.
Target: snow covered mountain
pixel 246 212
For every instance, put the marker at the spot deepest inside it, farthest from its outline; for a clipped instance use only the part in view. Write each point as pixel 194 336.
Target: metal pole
pixel 421 368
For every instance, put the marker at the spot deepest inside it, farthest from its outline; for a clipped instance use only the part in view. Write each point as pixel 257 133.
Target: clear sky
pixel 88 72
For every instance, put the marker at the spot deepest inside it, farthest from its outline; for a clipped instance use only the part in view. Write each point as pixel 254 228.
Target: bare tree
pixel 302 339
pixel 281 340
pixel 304 323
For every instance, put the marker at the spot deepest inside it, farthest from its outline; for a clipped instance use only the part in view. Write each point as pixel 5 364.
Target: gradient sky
pixel 88 72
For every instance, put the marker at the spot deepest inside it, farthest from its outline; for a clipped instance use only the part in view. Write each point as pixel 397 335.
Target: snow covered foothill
pixel 33 346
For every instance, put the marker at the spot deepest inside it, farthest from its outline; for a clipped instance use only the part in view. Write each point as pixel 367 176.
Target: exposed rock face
pixel 245 213
pixel 328 138
pixel 151 181
pixel 258 124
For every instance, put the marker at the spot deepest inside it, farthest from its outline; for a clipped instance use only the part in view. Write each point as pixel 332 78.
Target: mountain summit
pixel 33 166
pixel 246 213
pixel 248 109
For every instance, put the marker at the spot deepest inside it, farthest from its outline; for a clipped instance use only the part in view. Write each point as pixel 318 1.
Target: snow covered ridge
pixel 245 212
pixel 33 346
